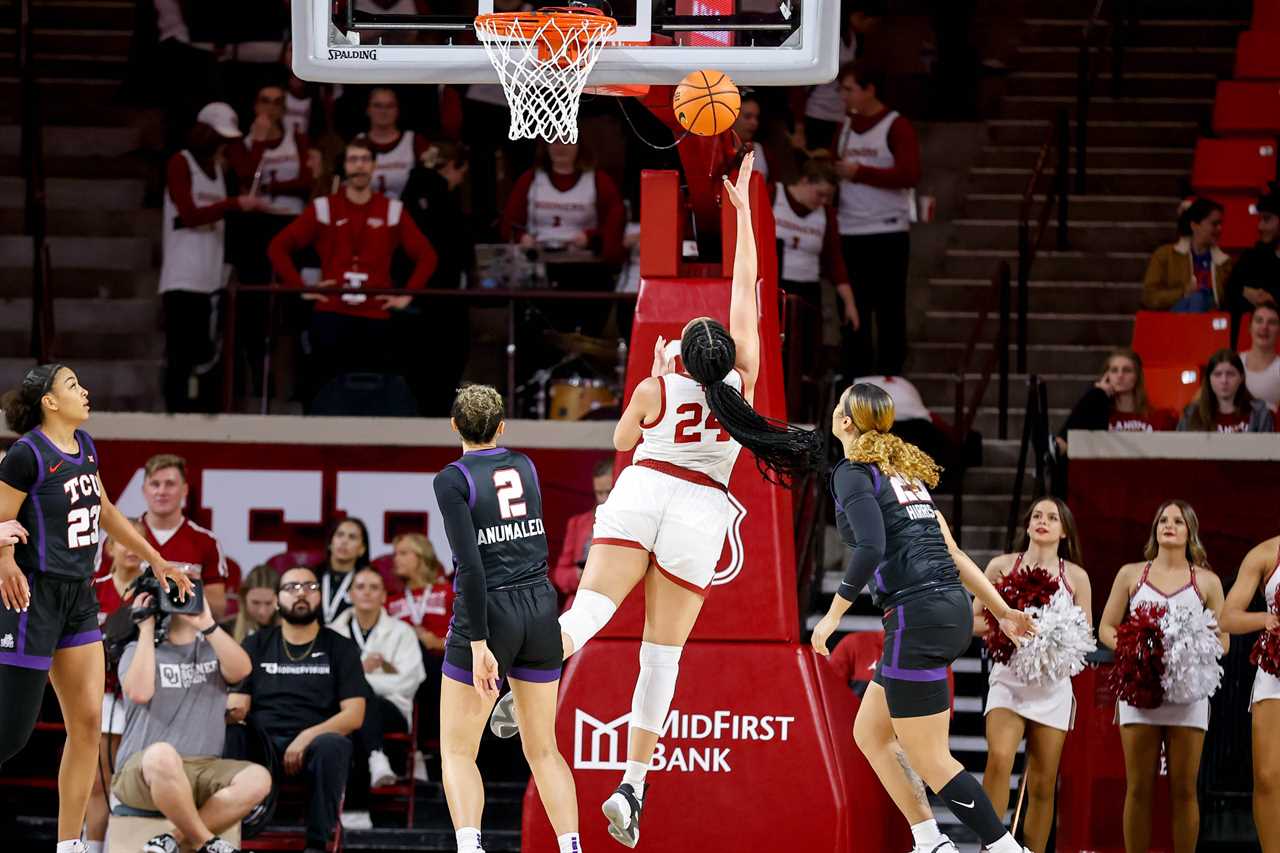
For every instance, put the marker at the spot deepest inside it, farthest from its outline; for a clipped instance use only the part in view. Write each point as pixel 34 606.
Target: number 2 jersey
pixel 685 433
pixel 890 524
pixel 63 503
pixel 492 510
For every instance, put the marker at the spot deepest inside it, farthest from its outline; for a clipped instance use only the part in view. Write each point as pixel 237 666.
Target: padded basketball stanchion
pixel 758 753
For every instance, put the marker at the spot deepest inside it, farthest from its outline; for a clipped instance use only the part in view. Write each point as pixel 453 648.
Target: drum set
pixel 585 385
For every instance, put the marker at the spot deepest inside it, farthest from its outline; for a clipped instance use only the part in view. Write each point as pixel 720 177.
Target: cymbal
pixel 579 344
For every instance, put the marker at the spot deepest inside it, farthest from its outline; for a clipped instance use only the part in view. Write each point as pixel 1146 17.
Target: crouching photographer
pixel 175 679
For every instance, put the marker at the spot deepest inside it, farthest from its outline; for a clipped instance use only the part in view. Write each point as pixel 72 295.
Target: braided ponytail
pixel 783 452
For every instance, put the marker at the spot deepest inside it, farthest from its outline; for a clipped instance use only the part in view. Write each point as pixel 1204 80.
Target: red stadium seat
pixel 1233 164
pixel 291 559
pixel 1239 220
pixel 233 587
pixel 387 568
pixel 1258 55
pixel 1171 387
pixel 1266 15
pixel 1246 108
pixel 1244 340
pixel 1165 339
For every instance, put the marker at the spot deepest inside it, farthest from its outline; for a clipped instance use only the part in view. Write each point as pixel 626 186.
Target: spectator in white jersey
pixel 170 760
pixel 747 127
pixel 193 272
pixel 395 151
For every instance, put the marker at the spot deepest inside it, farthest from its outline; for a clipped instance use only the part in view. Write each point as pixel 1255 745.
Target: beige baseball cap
pixel 221 118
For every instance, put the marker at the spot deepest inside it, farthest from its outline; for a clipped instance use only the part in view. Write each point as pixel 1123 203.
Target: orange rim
pixel 526 24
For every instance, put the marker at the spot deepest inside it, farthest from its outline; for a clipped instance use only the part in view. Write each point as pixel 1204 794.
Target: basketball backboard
pixel 756 42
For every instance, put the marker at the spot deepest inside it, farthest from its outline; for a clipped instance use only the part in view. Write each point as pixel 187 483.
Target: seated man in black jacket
pixel 1255 279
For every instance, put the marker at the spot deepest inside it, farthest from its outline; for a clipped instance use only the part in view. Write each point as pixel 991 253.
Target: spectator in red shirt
pixel 878 161
pixel 176 537
pixel 577 535
pixel 111 589
pixel 1223 403
pixel 355 231
pixel 853 660
pixel 1117 402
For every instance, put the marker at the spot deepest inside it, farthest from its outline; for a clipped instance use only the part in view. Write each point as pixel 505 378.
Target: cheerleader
pixel 1043 714
pixel 1258 572
pixel 1176 572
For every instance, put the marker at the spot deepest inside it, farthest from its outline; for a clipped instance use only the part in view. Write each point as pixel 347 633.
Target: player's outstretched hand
pixel 12 532
pixel 1018 625
pixel 484 671
pixel 738 189
pixel 167 573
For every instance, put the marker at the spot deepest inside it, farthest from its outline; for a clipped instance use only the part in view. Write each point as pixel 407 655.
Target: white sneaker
pixel 380 772
pixel 420 767
pixel 356 820
pixel 942 845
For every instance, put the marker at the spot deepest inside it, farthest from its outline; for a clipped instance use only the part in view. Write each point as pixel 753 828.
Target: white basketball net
pixel 543 61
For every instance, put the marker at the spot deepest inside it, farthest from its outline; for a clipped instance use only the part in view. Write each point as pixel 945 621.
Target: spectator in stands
pixel 824 106
pixel 111 590
pixel 172 70
pixel 1261 362
pixel 348 551
pixel 259 600
pixel 1255 277
pixel 395 151
pixel 305 696
pixel 272 160
pixel 1223 403
pixel 426 605
pixel 577 535
pixel 853 662
pixel 1117 402
pixel 176 537
pixel 747 127
pixel 171 760
pixel 1190 274
pixel 394 670
pixel 306 105
pixel 192 272
pixel 355 231
pixel 809 238
pixel 878 162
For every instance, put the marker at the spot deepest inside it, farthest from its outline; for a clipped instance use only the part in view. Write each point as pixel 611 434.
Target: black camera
pixel 166 601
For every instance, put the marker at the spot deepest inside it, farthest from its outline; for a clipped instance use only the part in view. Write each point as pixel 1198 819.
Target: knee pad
pixel 659 669
pixel 590 612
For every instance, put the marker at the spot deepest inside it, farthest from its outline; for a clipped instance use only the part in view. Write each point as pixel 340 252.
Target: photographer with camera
pixel 305 695
pixel 176 678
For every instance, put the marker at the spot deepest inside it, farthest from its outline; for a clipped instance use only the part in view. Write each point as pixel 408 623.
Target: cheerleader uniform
pixel 1194 715
pixel 1266 685
pixel 1051 705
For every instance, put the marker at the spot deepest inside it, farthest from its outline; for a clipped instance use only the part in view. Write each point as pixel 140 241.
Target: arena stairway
pixel 103 243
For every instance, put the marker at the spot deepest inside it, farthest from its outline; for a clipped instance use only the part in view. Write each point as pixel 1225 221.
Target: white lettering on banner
pixel 231 493
pixel 370 495
pixel 598 745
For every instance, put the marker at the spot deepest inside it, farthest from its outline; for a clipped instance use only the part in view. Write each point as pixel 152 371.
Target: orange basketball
pixel 706 103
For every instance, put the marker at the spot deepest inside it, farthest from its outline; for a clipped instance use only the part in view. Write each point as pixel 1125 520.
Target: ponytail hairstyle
pixel 871 410
pixel 22 405
pixel 784 453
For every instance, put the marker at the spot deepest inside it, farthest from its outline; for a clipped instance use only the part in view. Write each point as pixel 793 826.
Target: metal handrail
pixel 1124 15
pixel 35 204
pixel 1056 194
pixel 1035 435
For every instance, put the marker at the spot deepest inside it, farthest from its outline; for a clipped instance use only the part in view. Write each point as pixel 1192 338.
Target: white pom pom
pixel 1057 651
pixel 1191 652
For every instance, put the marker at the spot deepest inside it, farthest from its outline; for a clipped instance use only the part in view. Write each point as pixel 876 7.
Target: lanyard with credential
pixel 417 607
pixel 331 604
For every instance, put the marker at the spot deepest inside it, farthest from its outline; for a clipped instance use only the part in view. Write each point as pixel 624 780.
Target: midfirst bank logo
pixel 690 742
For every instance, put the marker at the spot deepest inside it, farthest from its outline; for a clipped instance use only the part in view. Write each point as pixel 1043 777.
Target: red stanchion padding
pixel 749 761
pixel 1092 777
pixel 753 595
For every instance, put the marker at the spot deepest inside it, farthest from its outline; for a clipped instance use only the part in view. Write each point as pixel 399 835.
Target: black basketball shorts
pixel 922 637
pixel 63 613
pixel 524 635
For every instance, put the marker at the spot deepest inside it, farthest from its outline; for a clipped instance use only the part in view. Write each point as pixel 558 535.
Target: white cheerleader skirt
pixel 1193 715
pixel 1051 705
pixel 1265 686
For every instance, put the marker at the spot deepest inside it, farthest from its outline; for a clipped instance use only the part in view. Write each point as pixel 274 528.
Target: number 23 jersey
pixel 686 434
pixel 62 507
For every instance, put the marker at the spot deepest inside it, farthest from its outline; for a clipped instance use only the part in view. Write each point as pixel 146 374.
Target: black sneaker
pixel 623 811
pixel 163 843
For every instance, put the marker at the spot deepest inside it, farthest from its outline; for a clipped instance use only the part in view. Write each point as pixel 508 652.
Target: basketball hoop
pixel 543 59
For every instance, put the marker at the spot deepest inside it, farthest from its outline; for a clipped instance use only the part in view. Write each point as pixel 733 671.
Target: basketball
pixel 706 103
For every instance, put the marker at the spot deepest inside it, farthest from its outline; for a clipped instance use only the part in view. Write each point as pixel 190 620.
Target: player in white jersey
pixel 1260 572
pixel 667 516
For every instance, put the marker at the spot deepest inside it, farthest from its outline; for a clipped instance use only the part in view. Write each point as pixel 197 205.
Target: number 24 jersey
pixel 685 433
pixel 62 507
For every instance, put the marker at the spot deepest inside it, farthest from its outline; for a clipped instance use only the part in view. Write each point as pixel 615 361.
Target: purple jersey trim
pixel 42 547
pixel 74 460
pixel 489 451
pixel 25 661
pixel 536 676
pixel 938 674
pixel 897 636
pixel 875 479
pixel 84 638
pixel 456 672
pixel 471 483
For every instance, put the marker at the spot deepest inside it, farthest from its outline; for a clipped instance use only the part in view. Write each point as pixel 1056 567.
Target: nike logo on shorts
pixel 967 805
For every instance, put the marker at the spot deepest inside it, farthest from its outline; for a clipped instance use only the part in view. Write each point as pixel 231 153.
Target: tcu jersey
pixel 391 168
pixel 686 434
pixel 506 510
pixel 62 507
pixel 916 558
pixel 558 217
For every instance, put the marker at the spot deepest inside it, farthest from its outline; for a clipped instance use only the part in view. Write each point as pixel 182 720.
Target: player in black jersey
pixel 49 483
pixel 903 552
pixel 505 620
